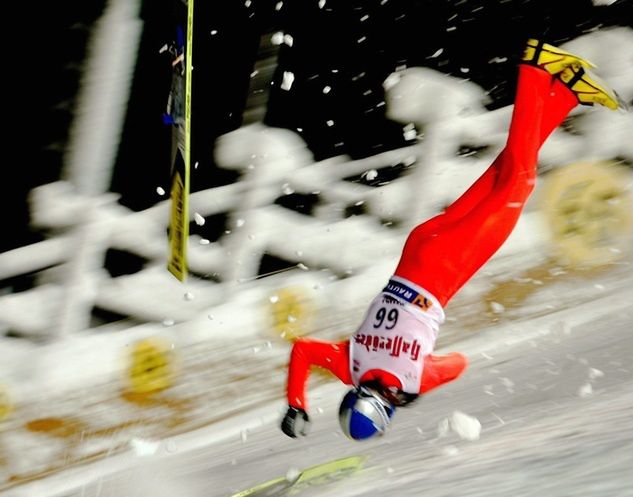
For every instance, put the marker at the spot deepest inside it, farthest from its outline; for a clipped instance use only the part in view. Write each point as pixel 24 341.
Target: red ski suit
pixel 443 253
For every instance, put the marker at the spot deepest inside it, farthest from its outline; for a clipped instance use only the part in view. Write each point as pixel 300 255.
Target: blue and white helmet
pixel 363 413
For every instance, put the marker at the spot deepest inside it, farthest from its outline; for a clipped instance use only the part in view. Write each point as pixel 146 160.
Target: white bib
pixel 395 336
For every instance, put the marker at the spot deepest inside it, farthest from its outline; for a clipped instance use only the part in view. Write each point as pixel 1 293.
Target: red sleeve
pixel 308 352
pixel 441 369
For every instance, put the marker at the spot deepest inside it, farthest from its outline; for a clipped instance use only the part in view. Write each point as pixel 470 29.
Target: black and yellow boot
pixel 550 58
pixel 589 89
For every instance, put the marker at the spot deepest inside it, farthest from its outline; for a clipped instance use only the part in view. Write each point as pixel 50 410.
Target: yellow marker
pixel 588 209
pixel 291 311
pixel 151 366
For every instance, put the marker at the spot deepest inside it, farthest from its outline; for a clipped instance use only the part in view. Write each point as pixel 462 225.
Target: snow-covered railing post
pixel 83 271
pixel 103 97
pixel 95 137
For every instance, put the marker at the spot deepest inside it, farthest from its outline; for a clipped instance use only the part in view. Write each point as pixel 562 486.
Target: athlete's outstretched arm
pixel 307 352
pixel 441 369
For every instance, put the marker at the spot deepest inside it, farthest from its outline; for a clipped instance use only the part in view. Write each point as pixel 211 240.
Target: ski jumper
pixel 439 257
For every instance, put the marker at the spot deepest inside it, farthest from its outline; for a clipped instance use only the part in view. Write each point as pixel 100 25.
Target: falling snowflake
pixel 288 79
pixel 371 174
pixel 409 134
pixel 497 308
pixel 198 219
pixel 277 38
pixel 595 373
pixel 585 391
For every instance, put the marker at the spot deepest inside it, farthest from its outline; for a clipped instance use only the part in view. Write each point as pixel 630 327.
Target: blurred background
pixel 240 70
pixel 322 132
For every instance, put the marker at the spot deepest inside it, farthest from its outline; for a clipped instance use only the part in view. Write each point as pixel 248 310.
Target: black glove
pixel 296 422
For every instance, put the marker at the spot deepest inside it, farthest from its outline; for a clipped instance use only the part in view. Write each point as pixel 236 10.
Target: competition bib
pixel 393 339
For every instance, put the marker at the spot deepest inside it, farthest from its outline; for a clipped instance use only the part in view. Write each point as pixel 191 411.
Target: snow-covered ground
pixel 544 409
pixel 549 344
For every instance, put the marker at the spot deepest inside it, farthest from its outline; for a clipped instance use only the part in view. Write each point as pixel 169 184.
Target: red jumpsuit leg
pixel 442 254
pixel 558 104
pixel 308 352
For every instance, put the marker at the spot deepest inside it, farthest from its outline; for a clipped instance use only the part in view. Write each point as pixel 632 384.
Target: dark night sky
pixel 363 40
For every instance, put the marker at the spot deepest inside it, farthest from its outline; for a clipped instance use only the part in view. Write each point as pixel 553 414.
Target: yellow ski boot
pixel 550 58
pixel 589 89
